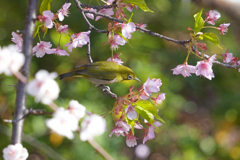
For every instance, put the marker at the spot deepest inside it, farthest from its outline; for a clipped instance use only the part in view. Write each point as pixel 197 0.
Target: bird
pixel 102 73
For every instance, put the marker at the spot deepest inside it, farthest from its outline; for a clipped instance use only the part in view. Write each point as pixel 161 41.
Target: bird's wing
pixel 95 71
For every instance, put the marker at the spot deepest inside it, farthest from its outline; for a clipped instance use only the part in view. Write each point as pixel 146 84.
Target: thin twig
pixel 100 150
pixel 89 49
pixel 106 89
pixel 78 4
pixel 27 50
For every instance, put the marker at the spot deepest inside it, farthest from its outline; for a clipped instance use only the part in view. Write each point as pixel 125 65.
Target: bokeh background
pixel 201 116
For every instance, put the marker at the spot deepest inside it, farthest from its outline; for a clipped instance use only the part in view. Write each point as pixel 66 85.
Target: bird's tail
pixel 66 75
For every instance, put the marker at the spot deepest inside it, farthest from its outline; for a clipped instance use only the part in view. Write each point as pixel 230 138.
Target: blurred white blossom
pixel 15 152
pixel 63 123
pixel 43 87
pixel 10 60
pixel 77 109
pixel 92 126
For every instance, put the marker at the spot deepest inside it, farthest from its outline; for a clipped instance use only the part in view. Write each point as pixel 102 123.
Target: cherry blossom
pixel 43 87
pixel 42 48
pixel 130 7
pixel 159 98
pixel 15 152
pixel 90 15
pixel 150 132
pixel 77 109
pixel 184 69
pixel 78 40
pixel 202 46
pixel 204 68
pixel 223 28
pixel 60 52
pixel 234 60
pixel 115 59
pixel 47 17
pixel 115 41
pixel 131 113
pixel 127 29
pixel 227 57
pixel 93 125
pixel 131 140
pixel 17 38
pixel 63 29
pixel 212 15
pixel 10 60
pixel 120 128
pixel 63 123
pixel 150 86
pixel 108 11
pixel 63 11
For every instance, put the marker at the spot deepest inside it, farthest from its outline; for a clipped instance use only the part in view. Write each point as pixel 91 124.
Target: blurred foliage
pixel 201 116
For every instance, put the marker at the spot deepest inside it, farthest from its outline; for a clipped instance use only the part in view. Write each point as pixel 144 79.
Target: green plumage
pixel 101 72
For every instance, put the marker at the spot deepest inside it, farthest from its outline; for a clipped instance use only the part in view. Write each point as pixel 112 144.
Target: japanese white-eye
pixel 102 72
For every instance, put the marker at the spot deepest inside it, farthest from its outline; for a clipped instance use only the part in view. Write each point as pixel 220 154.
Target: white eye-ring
pixel 130 77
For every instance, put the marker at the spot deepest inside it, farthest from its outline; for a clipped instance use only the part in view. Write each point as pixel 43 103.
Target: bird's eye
pixel 130 77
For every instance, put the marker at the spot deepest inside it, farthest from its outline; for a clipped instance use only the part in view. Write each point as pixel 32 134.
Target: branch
pixel 27 50
pixel 99 7
pixel 139 28
pixel 183 43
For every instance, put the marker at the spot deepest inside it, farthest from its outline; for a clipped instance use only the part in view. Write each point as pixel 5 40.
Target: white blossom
pixel 92 126
pixel 63 123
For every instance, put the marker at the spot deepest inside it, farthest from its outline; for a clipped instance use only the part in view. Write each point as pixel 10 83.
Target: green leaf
pixel 140 3
pixel 199 22
pixel 130 19
pixel 131 123
pixel 210 37
pixel 37 26
pixel 147 110
pixel 45 5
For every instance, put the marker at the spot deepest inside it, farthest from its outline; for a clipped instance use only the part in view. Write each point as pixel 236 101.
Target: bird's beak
pixel 137 79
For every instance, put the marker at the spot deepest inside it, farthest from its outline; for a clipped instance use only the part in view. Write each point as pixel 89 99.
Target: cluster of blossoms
pixel 127 110
pixel 118 33
pixel 213 16
pixel 48 20
pixel 65 122
pixel 203 68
